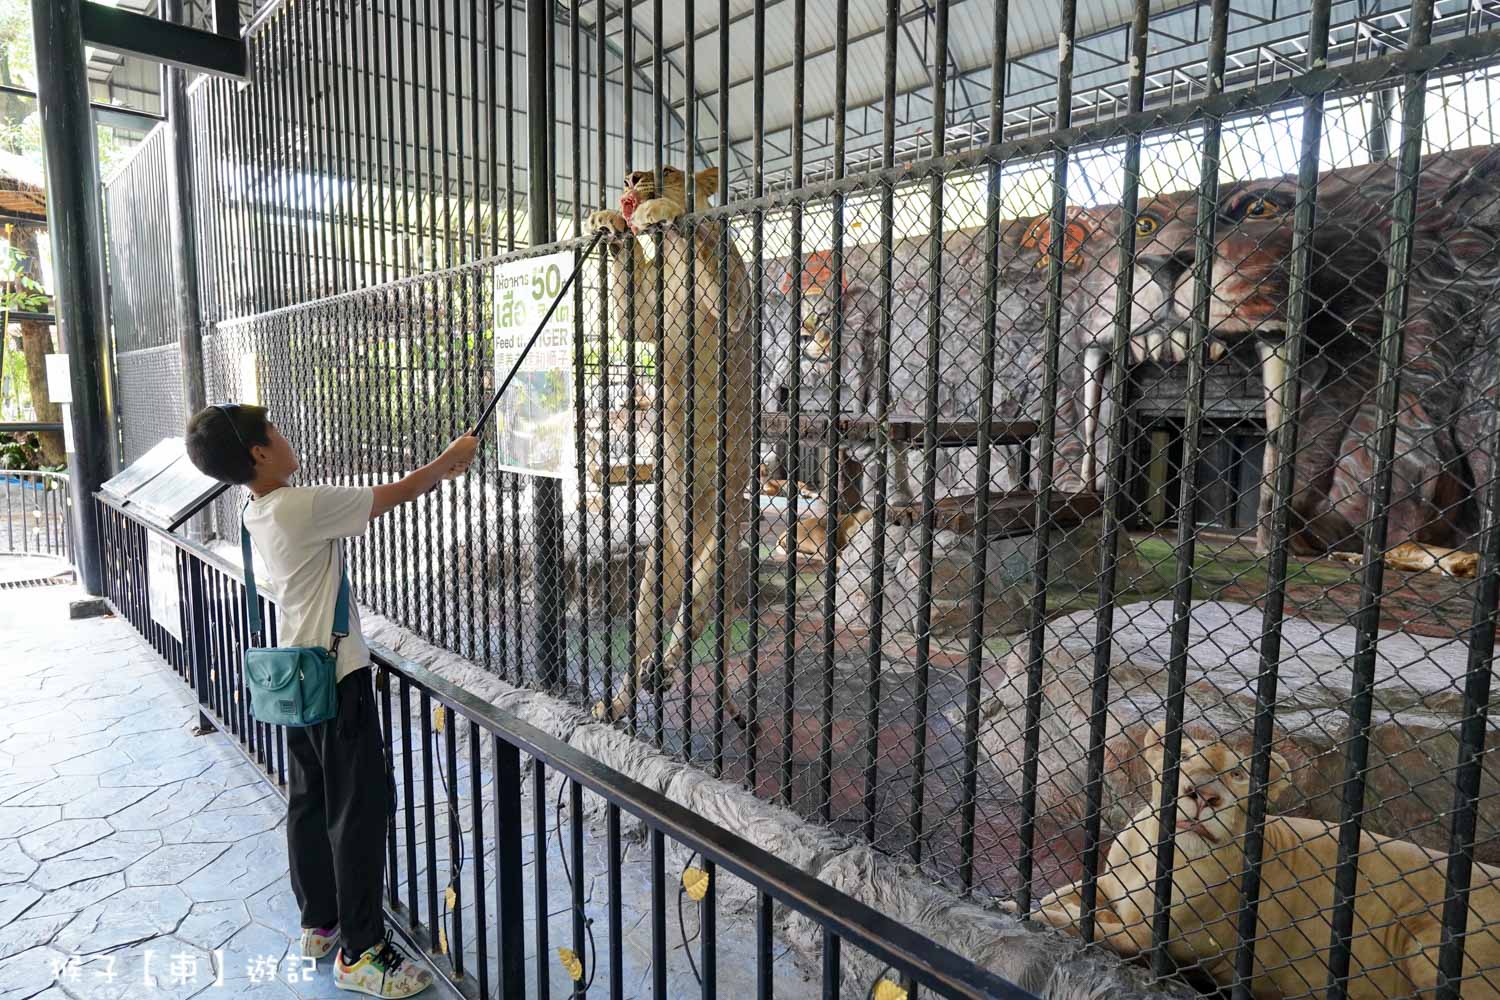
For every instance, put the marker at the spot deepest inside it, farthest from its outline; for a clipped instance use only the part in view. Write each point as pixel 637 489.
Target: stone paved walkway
pixel 136 860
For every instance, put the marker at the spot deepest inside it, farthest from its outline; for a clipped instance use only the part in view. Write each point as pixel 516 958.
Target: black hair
pixel 219 439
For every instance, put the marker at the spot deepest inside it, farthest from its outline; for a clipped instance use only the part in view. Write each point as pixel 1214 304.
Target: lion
pixel 1398 927
pixel 687 484
pixel 812 534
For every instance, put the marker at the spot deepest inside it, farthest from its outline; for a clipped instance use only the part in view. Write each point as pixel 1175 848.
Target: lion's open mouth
pixel 1185 825
pixel 1246 306
pixel 1164 322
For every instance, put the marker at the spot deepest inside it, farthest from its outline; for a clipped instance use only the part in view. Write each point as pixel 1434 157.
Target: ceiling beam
pixel 129 33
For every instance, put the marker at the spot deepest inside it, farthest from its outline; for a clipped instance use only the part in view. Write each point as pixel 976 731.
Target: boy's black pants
pixel 337 811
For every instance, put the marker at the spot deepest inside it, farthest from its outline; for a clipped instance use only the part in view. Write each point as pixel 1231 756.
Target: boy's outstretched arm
pixel 453 462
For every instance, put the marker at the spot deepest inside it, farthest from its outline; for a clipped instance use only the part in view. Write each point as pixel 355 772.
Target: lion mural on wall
pixel 1019 341
pixel 1441 453
pixel 1444 418
pixel 1451 277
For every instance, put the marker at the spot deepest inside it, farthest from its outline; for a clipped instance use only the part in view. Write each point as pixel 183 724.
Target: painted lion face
pixel 1251 269
pixel 1089 253
pixel 1250 273
pixel 1250 287
pixel 1090 275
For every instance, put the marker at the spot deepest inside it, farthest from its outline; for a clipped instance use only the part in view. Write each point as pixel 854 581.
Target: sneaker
pixel 319 941
pixel 381 971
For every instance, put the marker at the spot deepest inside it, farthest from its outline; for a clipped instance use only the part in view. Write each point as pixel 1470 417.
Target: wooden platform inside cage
pixel 1011 513
pixel 904 430
pixel 620 474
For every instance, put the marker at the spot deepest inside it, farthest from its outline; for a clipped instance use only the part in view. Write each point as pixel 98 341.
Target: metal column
pixel 184 235
pixel 74 224
pixel 181 217
pixel 551 591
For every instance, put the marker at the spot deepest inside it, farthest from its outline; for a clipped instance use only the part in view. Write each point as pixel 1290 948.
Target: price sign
pixel 59 383
pixel 534 420
pixel 161 584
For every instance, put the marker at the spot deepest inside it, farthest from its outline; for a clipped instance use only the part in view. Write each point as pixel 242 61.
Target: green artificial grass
pixel 618 639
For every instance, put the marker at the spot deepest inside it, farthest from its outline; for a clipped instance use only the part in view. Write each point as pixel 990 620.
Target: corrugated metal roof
pixel 1178 47
pixel 1033 27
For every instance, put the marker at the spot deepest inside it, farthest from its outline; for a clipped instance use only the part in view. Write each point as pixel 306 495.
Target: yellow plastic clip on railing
pixel 695 882
pixel 571 964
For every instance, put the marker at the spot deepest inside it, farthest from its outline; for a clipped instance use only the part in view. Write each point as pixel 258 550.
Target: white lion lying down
pixel 1398 909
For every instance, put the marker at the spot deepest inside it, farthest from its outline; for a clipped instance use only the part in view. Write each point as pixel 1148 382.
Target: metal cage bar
pixel 1356 752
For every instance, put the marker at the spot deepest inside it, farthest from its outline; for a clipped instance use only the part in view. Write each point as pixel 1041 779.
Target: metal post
pixel 550 589
pixel 1280 464
pixel 197 643
pixel 1191 493
pixel 1381 113
pixel 184 239
pixel 1360 704
pixel 510 906
pixel 74 224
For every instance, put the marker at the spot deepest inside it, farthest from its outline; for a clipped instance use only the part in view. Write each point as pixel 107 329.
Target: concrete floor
pixel 139 860
pixel 136 859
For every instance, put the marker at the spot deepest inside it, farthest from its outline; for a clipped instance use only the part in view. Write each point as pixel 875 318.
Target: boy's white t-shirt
pixel 296 531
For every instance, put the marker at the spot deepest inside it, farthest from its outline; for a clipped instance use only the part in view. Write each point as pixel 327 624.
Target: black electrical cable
pixel 875 983
pixel 458 867
pixel 682 927
pixel 588 923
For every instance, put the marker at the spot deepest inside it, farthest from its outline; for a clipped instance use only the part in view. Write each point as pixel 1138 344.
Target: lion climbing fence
pixel 959 447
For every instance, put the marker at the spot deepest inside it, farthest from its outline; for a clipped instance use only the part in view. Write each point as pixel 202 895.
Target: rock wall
pixel 1418 704
pixel 1073 555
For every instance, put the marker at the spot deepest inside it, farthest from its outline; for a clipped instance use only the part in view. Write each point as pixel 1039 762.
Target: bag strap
pixel 252 597
pixel 341 606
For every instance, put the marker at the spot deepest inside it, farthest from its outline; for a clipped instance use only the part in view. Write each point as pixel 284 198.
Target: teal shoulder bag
pixel 291 685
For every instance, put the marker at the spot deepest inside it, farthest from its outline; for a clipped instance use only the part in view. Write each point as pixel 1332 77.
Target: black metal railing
pixel 36 509
pixel 460 765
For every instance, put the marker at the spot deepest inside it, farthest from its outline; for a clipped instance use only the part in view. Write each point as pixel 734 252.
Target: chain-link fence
pixel 1091 441
pixel 147 365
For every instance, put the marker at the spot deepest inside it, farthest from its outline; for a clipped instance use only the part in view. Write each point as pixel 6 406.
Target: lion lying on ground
pixel 692 303
pixel 1398 909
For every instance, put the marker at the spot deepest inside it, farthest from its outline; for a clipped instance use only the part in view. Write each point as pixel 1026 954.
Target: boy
pixel 339 797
